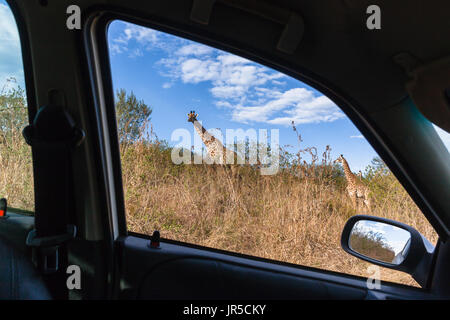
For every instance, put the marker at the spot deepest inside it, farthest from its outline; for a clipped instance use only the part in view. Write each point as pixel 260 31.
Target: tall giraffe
pixel 355 188
pixel 216 151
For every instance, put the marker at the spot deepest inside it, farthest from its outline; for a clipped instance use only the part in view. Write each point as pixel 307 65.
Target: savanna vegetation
pixel 16 170
pixel 295 216
pixel 371 244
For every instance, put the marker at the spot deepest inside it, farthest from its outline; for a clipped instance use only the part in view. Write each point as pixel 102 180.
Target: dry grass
pixel 281 217
pixel 16 172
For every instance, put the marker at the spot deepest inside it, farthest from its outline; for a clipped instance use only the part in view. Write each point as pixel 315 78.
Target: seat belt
pixel 53 135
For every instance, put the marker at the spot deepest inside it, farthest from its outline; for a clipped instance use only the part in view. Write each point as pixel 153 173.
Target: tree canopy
pixel 132 116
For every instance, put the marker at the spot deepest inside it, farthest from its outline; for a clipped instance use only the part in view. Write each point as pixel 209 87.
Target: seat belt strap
pixel 52 136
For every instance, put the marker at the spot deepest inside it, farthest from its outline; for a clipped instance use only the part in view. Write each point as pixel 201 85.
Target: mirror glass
pixel 380 241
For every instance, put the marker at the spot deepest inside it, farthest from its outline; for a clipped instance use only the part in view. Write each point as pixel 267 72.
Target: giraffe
pixel 216 151
pixel 360 175
pixel 355 188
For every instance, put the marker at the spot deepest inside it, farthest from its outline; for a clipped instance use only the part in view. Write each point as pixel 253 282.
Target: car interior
pixel 393 83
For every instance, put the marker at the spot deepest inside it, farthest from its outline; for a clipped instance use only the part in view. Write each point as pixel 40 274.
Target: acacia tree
pixel 132 116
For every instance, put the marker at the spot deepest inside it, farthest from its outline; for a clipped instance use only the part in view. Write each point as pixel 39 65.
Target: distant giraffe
pixel 355 188
pixel 216 151
pixel 360 175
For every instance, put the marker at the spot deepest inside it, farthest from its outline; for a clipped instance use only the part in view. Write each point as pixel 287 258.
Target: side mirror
pixel 389 244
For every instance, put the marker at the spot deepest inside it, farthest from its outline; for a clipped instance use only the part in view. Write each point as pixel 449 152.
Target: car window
pixel 187 113
pixel 16 171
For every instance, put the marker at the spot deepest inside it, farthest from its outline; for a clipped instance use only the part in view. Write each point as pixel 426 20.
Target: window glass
pixel 16 171
pixel 182 105
pixel 444 135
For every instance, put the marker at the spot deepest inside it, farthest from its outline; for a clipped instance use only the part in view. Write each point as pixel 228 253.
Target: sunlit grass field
pixel 295 216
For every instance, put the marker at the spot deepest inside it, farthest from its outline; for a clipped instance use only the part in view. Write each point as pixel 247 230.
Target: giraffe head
pixel 340 159
pixel 192 116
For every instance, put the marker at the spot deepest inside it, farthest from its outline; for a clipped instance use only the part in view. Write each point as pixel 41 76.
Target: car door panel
pixel 175 271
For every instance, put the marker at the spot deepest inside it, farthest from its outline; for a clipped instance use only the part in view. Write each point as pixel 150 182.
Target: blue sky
pixel 174 76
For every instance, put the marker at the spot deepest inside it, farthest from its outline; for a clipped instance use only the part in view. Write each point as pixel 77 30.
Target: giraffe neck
pixel 348 173
pixel 213 146
pixel 204 135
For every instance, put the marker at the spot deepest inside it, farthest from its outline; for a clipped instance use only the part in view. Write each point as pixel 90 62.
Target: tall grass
pixel 294 216
pixel 16 171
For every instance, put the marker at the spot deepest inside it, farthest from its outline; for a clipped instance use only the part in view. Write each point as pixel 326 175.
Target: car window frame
pixel 105 15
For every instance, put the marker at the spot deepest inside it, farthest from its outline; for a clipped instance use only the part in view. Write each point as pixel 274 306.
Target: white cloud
pixel 117 48
pixel 299 105
pixel 221 70
pixel 231 77
pixel 228 92
pixel 136 53
pixel 139 39
pixel 223 104
pixel 357 137
pixel 266 92
pixel 140 34
pixel 311 110
pixel 195 70
pixel 279 83
pixel 236 82
pixel 145 38
pixel 167 85
pixel 194 49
